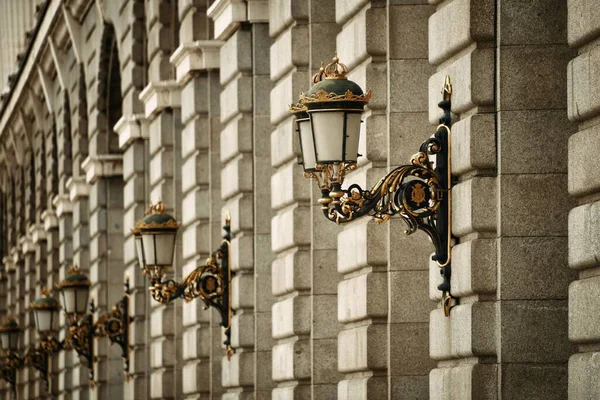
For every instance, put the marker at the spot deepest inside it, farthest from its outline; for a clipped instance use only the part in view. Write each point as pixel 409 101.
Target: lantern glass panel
pixel 159 248
pixel 13 340
pixel 328 131
pixel 139 251
pixel 307 144
pixel 44 319
pixel 353 123
pixel 4 340
pixel 75 299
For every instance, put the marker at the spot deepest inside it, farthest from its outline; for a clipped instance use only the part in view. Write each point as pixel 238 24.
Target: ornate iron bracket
pixel 418 192
pixel 210 282
pixel 115 326
pixel 8 370
pixel 38 357
pixel 80 337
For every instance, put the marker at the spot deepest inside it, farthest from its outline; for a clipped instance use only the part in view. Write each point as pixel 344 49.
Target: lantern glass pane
pixel 149 250
pixel 353 123
pixel 165 248
pixel 4 340
pixel 328 130
pixel 68 295
pixel 307 144
pixel 139 251
pixel 82 295
pixel 43 320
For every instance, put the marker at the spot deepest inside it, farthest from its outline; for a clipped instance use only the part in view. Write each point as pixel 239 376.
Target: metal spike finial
pixel 447 88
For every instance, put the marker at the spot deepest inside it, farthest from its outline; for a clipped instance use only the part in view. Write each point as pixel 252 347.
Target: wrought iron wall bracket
pixel 420 193
pixel 38 357
pixel 210 282
pixel 8 370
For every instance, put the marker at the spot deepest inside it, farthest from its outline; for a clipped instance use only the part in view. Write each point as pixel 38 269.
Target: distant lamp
pixel 210 281
pixel 10 334
pixel 75 291
pixel 420 192
pixel 158 231
pixel 45 312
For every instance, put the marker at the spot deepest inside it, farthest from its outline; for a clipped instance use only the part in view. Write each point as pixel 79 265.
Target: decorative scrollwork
pixel 209 282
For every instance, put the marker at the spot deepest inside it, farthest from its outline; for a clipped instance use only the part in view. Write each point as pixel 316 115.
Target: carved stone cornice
pixel 50 220
pixel 77 187
pixel 62 204
pixel 227 16
pixel 131 128
pixel 201 55
pixel 102 165
pixel 37 233
pixel 160 95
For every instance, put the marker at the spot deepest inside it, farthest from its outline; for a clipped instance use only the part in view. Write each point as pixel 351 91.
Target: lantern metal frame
pixel 81 331
pixel 12 362
pixel 420 192
pixel 211 281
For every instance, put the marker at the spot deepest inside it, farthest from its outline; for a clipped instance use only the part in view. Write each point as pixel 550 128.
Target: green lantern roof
pixel 10 325
pixel 74 278
pixel 332 86
pixel 46 302
pixel 156 218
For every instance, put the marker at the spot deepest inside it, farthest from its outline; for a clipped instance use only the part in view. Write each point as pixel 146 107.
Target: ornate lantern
pixel 139 250
pixel 10 334
pixel 75 289
pixel 45 310
pixel 334 105
pixel 158 231
pixel 305 136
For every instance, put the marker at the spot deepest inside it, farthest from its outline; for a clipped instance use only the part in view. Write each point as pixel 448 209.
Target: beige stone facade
pixel 114 104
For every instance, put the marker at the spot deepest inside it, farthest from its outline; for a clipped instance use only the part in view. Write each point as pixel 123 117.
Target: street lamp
pixel 420 192
pixel 10 334
pixel 155 238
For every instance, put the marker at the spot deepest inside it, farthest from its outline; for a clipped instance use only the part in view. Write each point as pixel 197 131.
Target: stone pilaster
pixel 583 108
pixel 162 102
pixel 290 201
pixel 196 62
pixel 133 135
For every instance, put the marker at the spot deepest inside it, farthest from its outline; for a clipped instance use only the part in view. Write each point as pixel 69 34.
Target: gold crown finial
pixel 45 292
pixel 74 270
pixel 334 70
pixel 157 208
pixel 447 88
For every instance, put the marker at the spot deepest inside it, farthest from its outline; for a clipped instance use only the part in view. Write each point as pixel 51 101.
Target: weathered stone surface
pixel 473 206
pixel 583 320
pixel 584 245
pixel 465 382
pixel 583 369
pixel 583 21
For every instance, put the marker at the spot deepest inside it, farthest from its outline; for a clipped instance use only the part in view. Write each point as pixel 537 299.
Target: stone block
pixel 227 16
pixel 583 318
pixel 527 138
pixel 291 317
pixel 162 353
pixel 470 381
pixel 469 332
pixel 291 361
pixel 526 260
pixel 236 98
pixel 472 83
pixel 583 162
pixel 474 268
pixel 584 245
pixel 242 291
pixel 237 176
pixel 195 135
pixel 345 9
pixel 522 325
pixel 407 131
pixel 583 85
pixel 242 330
pixel 472 21
pixel 362 296
pixel 289 186
pixel 409 21
pixel 361 244
pixel 528 89
pixel 409 348
pixel 195 239
pixel 282 13
pixel 533 205
pixel 355 43
pixel 363 348
pixel 285 92
pixel 408 80
pixel 583 371
pixel 236 137
pixel 236 56
pixel 194 98
pixel 474 144
pixel 532 22
pixel 242 252
pixel 239 371
pixel 409 300
pixel 289 272
pixel 194 206
pixel 363 388
pixel 474 206
pixel 285 145
pixel 529 381
pixel 583 21
pixel 410 387
pixel 241 211
pixel 161 166
pixel 290 228
pixel 290 50
pixel 196 375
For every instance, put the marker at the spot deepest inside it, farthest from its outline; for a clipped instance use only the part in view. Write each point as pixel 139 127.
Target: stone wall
pixel 123 103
